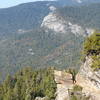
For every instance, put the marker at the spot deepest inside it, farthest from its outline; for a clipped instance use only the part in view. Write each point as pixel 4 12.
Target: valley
pixel 56 35
pixel 50 50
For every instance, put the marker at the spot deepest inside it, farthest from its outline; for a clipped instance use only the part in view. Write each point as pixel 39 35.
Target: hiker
pixel 73 73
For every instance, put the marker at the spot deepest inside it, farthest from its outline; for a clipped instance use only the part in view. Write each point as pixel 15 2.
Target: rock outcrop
pixel 39 98
pixel 56 23
pixel 89 79
pixel 64 82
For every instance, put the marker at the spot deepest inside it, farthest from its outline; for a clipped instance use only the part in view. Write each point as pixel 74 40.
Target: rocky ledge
pixel 64 83
pixel 89 79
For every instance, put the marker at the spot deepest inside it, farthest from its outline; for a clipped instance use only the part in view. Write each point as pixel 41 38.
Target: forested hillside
pixel 77 2
pixel 27 16
pixel 23 42
pixel 38 37
pixel 86 16
pixel 28 84
pixel 39 49
pixel 23 17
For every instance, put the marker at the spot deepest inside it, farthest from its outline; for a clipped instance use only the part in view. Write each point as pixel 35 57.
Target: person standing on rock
pixel 73 73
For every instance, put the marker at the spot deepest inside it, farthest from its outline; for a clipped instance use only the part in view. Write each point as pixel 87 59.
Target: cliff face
pixel 56 23
pixel 89 80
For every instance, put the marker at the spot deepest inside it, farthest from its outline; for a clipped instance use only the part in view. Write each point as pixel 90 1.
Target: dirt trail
pixel 64 82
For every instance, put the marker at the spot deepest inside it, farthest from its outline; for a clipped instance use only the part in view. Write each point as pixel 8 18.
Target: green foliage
pixel 92 44
pixel 47 49
pixel 29 16
pixel 24 17
pixel 76 93
pixel 1 92
pixel 92 47
pixel 86 16
pixel 28 84
pixel 96 62
pixel 73 97
pixel 20 30
pixel 77 88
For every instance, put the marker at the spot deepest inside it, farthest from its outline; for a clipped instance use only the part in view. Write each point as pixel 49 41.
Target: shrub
pixel 92 47
pixel 77 88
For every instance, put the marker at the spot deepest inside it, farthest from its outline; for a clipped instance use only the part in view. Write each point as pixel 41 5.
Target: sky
pixel 9 3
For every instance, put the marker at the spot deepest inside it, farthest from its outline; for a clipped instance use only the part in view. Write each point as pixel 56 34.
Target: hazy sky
pixel 9 3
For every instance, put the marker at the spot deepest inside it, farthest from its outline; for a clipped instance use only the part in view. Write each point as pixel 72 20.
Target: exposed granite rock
pixel 64 82
pixel 39 98
pixel 59 25
pixel 89 79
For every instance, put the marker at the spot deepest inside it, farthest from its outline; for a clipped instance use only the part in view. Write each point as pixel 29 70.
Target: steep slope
pixel 39 49
pixel 89 73
pixel 27 16
pixel 88 77
pixel 85 16
pixel 89 80
pixel 29 84
pixel 77 2
pixel 43 36
pixel 60 25
pixel 23 17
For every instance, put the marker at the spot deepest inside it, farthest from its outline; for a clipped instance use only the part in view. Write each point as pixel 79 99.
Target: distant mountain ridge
pixel 77 2
pixel 30 15
pixel 25 16
pixel 86 16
